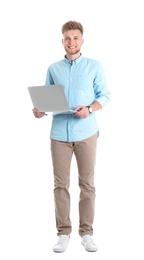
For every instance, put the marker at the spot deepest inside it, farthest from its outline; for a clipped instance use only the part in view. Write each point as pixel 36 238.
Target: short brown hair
pixel 72 25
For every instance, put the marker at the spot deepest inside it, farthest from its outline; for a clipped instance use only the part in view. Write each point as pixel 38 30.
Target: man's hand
pixel 82 112
pixel 37 113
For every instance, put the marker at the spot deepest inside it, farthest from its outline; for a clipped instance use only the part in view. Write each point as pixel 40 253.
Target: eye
pixel 66 38
pixel 76 38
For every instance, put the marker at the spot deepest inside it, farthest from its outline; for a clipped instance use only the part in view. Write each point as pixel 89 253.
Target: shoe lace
pixel 89 240
pixel 62 238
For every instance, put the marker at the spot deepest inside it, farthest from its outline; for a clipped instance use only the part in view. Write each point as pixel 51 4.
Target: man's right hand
pixel 37 113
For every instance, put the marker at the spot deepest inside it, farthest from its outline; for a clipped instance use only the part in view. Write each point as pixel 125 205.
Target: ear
pixel 62 41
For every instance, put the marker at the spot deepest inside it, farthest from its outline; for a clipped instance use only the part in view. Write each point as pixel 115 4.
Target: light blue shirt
pixel 84 82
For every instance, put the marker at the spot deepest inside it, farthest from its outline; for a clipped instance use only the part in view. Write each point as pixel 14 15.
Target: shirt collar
pixel 76 61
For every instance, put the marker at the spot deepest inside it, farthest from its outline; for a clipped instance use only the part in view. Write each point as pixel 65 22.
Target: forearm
pixel 96 106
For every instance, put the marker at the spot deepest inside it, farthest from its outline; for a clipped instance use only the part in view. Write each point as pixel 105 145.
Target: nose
pixel 71 41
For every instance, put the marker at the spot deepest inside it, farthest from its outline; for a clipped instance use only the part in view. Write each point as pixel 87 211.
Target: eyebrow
pixel 72 36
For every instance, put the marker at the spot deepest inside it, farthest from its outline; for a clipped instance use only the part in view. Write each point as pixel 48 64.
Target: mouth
pixel 71 47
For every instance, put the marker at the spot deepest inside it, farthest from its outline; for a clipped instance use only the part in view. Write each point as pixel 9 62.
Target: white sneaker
pixel 62 244
pixel 88 243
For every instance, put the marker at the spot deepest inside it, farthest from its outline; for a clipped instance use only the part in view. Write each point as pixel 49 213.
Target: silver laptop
pixel 50 98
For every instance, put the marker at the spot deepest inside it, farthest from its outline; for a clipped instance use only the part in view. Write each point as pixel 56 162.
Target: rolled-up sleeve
pixel 102 94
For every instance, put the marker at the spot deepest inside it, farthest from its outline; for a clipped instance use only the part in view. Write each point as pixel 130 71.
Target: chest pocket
pixel 83 82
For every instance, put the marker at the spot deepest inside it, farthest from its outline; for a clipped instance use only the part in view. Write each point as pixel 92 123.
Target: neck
pixel 73 57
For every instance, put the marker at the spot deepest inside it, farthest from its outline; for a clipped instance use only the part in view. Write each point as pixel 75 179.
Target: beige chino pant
pixel 85 153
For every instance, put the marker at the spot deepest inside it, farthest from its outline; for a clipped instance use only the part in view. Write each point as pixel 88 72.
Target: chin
pixel 72 52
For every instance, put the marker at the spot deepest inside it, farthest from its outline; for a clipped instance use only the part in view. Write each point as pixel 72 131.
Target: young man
pixel 86 91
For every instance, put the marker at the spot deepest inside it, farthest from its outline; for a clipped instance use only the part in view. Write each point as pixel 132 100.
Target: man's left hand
pixel 81 112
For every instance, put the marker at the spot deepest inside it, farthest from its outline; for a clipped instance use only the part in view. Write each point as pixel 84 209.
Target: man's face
pixel 72 41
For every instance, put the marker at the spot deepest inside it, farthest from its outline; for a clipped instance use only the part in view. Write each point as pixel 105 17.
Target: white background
pixel 30 33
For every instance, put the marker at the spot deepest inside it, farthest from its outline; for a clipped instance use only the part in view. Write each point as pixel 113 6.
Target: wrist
pixel 89 109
